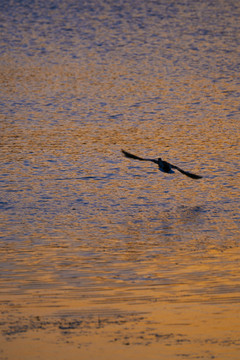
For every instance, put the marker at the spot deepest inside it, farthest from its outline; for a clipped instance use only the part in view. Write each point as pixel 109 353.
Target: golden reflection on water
pixel 140 260
pixel 103 256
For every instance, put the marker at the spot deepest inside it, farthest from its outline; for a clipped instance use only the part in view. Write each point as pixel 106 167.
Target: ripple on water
pixel 96 248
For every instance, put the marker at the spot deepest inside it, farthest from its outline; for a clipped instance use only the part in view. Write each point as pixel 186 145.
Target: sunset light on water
pixel 102 256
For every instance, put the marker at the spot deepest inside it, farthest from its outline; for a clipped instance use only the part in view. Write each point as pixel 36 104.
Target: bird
pixel 163 166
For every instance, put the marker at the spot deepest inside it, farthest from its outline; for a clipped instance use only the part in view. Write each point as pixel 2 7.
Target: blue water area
pixel 82 80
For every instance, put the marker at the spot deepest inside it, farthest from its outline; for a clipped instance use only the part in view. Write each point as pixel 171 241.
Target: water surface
pixel 103 255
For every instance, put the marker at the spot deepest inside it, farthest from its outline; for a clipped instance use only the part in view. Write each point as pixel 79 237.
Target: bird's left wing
pixel 131 156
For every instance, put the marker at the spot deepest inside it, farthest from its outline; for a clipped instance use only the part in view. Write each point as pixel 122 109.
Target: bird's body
pixel 163 166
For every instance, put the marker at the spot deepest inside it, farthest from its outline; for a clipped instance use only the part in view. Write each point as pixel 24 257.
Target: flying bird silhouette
pixel 163 166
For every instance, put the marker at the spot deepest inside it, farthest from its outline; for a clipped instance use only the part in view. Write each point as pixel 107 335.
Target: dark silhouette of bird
pixel 163 166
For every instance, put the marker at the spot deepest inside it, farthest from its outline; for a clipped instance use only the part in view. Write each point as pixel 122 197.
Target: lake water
pixel 105 257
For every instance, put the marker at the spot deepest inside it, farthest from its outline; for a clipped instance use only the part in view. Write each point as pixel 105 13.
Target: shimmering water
pixel 103 255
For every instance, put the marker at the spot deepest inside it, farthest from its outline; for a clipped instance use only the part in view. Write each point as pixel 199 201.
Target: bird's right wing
pixel 187 173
